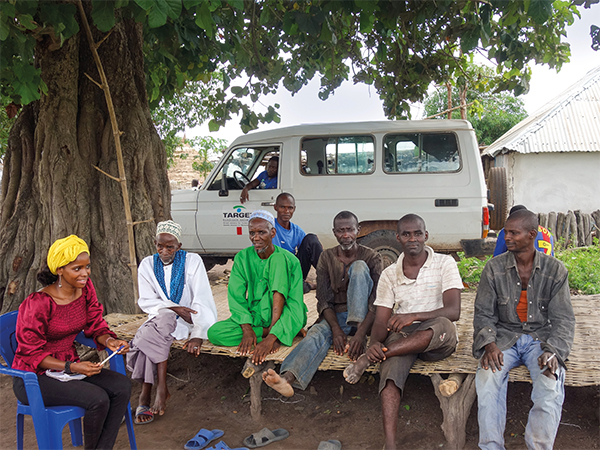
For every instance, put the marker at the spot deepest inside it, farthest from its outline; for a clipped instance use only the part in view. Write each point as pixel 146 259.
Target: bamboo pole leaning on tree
pixel 117 137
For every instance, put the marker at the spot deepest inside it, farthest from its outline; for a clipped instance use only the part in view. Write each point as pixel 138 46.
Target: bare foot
pixel 302 333
pixel 354 371
pixel 275 347
pixel 160 402
pixel 389 446
pixel 145 394
pixel 143 414
pixel 281 385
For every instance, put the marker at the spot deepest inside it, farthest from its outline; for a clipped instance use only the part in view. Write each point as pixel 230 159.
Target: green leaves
pixel 204 19
pixel 399 48
pixel 26 83
pixel 60 16
pixel 237 4
pixel 103 14
pixel 540 10
pixel 491 113
pixel 189 4
pixel 470 38
pixel 4 30
pixel 595 34
pixel 159 10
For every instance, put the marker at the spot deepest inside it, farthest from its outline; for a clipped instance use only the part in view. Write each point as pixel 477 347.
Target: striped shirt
pixel 404 295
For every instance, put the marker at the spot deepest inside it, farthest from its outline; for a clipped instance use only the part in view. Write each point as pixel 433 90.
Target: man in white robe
pixel 176 295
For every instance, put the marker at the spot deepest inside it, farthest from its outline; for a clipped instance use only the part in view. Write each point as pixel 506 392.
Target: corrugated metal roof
pixel 569 123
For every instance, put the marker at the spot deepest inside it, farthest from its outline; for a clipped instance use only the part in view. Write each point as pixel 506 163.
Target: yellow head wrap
pixel 65 251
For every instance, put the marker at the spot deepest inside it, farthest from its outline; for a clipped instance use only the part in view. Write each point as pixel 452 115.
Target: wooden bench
pixel 583 363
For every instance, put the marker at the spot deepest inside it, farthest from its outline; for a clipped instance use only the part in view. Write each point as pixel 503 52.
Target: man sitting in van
pixel 266 180
pixel 291 237
pixel 264 293
pixel 347 277
pixel 418 298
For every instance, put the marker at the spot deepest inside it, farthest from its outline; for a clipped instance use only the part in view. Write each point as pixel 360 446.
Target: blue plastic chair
pixel 49 422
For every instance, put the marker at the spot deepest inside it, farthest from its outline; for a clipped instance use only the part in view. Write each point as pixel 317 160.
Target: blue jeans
pixel 305 358
pixel 547 396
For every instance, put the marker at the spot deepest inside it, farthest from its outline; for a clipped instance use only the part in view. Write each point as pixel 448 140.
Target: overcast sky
pixel 359 102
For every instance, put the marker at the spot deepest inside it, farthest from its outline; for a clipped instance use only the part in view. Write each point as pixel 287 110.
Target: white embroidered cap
pixel 262 214
pixel 169 227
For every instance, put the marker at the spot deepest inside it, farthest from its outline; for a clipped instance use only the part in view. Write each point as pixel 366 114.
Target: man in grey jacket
pixel 523 315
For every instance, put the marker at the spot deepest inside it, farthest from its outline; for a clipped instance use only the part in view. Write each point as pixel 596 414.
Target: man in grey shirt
pixel 523 315
pixel 347 277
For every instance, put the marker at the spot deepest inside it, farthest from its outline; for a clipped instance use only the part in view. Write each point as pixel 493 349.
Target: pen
pixel 113 354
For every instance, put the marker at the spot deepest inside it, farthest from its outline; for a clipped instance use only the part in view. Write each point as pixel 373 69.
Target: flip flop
pixel 331 444
pixel 223 446
pixel 143 410
pixel 265 437
pixel 202 439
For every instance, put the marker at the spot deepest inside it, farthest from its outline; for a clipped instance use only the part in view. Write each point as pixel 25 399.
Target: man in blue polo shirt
pixel 292 238
pixel 266 180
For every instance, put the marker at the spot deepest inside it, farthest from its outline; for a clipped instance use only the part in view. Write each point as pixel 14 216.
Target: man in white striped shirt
pixel 418 299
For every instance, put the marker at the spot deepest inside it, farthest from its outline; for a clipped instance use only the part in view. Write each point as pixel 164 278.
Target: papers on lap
pixel 62 376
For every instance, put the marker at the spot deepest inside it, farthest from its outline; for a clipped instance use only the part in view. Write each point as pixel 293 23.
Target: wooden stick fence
pixel 574 228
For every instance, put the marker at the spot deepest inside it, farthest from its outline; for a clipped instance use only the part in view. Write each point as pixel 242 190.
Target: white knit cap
pixel 169 227
pixel 262 214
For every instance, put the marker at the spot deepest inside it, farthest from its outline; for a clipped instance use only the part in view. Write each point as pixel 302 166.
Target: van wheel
pixel 498 197
pixel 209 262
pixel 383 242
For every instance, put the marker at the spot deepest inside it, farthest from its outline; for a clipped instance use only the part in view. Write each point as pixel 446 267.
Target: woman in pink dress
pixel 47 324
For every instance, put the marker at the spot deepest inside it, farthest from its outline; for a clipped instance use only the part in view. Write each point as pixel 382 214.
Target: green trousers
pixel 227 333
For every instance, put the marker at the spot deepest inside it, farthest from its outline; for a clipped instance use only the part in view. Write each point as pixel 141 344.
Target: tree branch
pixel 107 174
pixel 93 81
pixel 103 39
pixel 142 221
pixel 448 110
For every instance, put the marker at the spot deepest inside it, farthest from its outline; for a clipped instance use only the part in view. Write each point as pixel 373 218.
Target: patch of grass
pixel 470 269
pixel 583 264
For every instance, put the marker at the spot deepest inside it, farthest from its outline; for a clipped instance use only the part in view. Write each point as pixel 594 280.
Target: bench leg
pixel 256 387
pixel 456 410
pixel 450 385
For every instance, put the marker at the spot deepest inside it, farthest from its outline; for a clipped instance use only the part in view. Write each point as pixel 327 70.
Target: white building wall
pixel 560 182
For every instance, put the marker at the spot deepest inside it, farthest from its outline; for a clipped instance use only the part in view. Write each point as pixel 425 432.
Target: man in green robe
pixel 265 295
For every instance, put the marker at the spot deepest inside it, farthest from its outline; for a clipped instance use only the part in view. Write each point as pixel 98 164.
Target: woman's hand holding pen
pixel 114 345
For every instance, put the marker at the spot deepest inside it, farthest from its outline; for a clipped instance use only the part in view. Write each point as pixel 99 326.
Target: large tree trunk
pixel 50 188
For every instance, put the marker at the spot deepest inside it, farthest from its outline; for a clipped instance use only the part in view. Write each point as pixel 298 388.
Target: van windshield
pixel 421 152
pixel 243 165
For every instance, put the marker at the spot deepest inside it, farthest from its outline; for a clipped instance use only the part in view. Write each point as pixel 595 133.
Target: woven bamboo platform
pixel 583 363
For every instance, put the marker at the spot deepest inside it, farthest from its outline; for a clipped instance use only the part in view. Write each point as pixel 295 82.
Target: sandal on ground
pixel 223 446
pixel 140 411
pixel 265 437
pixel 331 444
pixel 203 438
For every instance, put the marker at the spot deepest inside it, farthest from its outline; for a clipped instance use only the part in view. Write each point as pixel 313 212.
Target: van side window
pixel 421 152
pixel 243 165
pixel 337 155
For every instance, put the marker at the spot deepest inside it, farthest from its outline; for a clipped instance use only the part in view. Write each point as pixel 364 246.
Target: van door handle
pixel 267 204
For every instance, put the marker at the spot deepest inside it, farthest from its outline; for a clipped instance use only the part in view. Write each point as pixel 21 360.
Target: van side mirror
pixel 224 192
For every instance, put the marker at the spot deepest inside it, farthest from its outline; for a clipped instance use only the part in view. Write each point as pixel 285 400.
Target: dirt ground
pixel 210 392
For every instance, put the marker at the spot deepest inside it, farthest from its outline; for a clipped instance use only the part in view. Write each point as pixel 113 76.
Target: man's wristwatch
pixel 68 367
